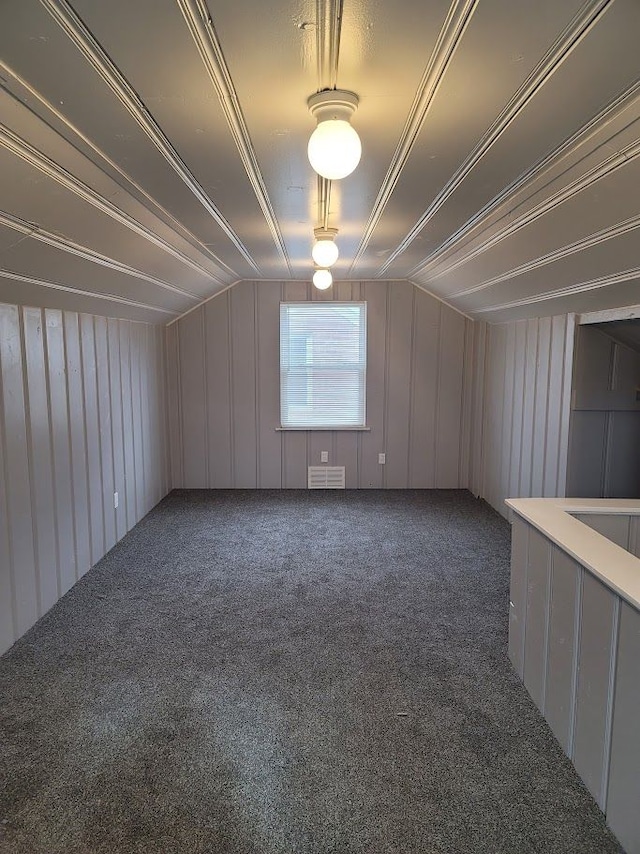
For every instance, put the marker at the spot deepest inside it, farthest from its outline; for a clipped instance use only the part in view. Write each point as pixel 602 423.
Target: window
pixel 323 355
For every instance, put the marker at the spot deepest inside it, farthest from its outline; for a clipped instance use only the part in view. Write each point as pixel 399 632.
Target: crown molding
pixel 35 232
pixel 56 286
pixel 66 17
pixel 564 45
pixel 449 38
pixel 124 180
pixel 589 242
pixel 200 26
pixel 583 287
pixel 505 199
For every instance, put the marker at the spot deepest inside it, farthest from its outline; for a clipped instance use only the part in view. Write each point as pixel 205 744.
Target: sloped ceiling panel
pixel 153 152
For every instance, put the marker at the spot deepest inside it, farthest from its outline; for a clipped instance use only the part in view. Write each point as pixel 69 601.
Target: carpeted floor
pixel 299 672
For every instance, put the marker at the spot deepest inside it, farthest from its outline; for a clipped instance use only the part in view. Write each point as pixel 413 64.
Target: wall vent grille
pixel 326 477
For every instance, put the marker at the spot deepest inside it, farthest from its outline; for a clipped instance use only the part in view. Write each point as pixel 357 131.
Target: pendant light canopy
pixel 322 279
pixel 334 148
pixel 325 251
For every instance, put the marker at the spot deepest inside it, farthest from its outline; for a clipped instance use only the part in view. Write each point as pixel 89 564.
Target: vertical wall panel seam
pixel 385 391
pixel 74 521
pixel 166 441
pixel 436 408
pixel 608 727
pixel 545 437
pixel 412 376
pixel 116 487
pixel 180 405
pixel 205 395
pixel 565 404
pixel 548 605
pixel 605 479
pixel 576 660
pixel 256 383
pixel 144 394
pixel 134 454
pixel 54 473
pixel 361 298
pixel 29 454
pixel 484 402
pixel 99 418
pixel 524 403
pixel 532 392
pixel 523 639
pixel 125 491
pixel 86 436
pixel 232 442
pixel 5 480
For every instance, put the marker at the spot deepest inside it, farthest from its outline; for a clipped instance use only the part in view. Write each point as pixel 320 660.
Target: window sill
pixel 331 429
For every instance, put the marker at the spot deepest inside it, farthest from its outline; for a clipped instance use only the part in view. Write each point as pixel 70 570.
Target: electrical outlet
pixel 115 500
pixel 324 456
pixel 382 458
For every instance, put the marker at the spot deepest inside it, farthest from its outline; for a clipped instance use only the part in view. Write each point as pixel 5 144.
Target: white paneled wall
pixel 82 415
pixel 224 397
pixel 523 434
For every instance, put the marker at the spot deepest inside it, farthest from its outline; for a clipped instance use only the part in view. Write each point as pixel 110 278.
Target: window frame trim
pixel 362 428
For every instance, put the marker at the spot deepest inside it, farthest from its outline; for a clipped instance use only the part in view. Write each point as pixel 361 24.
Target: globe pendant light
pixel 322 279
pixel 325 252
pixel 334 148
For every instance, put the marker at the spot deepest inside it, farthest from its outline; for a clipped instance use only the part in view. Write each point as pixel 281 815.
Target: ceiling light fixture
pixel 334 147
pixel 325 251
pixel 322 279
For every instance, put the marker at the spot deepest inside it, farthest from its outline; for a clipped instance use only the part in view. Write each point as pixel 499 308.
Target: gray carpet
pixel 296 672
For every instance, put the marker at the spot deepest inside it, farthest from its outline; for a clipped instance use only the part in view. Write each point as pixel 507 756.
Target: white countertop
pixel 613 565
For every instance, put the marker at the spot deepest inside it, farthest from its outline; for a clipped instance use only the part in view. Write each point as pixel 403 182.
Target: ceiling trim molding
pixel 601 170
pixel 564 45
pixel 583 287
pixel 31 230
pixel 56 286
pixel 153 204
pixel 435 297
pixel 66 17
pixel 449 38
pixel 552 160
pixel 595 239
pixel 202 31
pixel 21 148
pixel 208 299
pixel 328 32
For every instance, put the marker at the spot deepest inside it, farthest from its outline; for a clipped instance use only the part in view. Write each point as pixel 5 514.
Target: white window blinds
pixel 323 353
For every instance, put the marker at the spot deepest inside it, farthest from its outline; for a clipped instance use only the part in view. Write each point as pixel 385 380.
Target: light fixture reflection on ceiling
pixel 325 251
pixel 334 147
pixel 322 279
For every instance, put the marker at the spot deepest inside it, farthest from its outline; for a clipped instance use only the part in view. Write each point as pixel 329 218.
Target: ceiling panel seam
pixel 153 204
pixel 36 232
pixel 449 38
pixel 570 290
pixel 561 49
pixel 593 240
pixel 31 280
pixel 601 170
pixel 527 179
pixel 202 31
pixel 21 148
pixel 72 25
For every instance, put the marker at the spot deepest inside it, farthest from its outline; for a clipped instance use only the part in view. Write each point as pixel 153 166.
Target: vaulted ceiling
pixel 153 152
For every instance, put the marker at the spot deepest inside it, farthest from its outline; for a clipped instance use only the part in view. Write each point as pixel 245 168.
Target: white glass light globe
pixel 325 253
pixel 334 149
pixel 322 279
